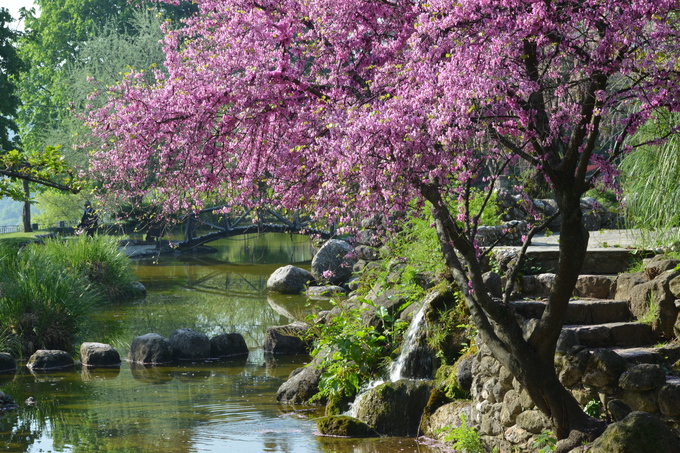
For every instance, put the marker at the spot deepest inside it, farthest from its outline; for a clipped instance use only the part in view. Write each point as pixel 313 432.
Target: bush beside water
pixel 49 291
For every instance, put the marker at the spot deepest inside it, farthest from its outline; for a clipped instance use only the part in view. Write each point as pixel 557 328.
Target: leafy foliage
pixel 352 352
pixel 594 408
pixel 10 66
pixel 546 441
pixel 465 438
pixel 651 182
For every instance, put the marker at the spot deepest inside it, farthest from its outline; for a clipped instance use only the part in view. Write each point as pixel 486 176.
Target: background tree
pixel 70 47
pixel 10 66
pixel 376 104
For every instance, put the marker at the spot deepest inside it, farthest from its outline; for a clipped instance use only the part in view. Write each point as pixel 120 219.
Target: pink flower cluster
pixel 359 103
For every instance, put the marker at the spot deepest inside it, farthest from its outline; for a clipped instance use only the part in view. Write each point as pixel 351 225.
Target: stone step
pixel 544 258
pixel 609 335
pixel 587 311
pixel 665 354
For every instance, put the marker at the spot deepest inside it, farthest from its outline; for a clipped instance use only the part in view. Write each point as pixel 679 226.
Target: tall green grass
pixel 48 291
pixel 98 258
pixel 651 183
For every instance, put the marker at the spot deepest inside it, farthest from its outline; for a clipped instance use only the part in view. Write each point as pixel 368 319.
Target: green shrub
pixel 48 292
pixel 43 306
pixel 545 441
pixel 98 258
pixel 464 438
pixel 352 352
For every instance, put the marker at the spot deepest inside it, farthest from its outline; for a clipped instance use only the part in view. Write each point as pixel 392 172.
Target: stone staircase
pixel 594 320
pixel 597 323
pixel 606 358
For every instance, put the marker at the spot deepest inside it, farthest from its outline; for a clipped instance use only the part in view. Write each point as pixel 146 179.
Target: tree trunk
pixel 26 214
pixel 530 360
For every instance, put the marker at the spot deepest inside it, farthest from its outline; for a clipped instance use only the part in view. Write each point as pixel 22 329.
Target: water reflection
pixel 214 406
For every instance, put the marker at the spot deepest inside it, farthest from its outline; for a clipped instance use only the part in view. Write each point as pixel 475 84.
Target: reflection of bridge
pixel 261 220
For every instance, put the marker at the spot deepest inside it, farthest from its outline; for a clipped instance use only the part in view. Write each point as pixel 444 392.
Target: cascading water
pixel 414 361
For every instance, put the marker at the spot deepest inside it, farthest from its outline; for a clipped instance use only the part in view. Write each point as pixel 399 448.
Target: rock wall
pixel 507 418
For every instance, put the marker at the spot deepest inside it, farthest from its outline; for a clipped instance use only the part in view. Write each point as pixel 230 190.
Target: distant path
pixel 601 239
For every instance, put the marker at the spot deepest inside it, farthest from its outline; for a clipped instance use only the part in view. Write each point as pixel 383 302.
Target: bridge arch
pixel 250 220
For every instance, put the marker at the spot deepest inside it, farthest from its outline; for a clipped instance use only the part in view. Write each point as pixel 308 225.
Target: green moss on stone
pixel 344 426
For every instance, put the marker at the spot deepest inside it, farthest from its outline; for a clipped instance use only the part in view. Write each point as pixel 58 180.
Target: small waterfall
pixel 415 359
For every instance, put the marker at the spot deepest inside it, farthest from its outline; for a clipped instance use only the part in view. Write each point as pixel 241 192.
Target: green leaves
pixel 47 168
pixel 352 352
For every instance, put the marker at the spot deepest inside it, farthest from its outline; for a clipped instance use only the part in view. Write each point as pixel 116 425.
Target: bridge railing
pixel 213 223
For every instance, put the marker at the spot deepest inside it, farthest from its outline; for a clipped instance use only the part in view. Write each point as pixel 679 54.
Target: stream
pixel 226 405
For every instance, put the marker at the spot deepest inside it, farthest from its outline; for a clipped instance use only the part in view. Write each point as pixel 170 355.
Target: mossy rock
pixel 448 377
pixel 344 426
pixel 337 405
pixel 394 408
pixel 637 432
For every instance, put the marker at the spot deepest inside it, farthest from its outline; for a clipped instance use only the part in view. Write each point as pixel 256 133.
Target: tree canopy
pixel 71 40
pixel 10 65
pixel 361 106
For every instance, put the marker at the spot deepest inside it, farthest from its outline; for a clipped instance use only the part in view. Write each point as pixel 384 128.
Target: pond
pixel 213 406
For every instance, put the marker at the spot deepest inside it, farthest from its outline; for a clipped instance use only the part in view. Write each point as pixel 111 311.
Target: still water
pixel 215 406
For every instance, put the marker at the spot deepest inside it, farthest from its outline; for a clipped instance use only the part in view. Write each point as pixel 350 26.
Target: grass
pixel 49 291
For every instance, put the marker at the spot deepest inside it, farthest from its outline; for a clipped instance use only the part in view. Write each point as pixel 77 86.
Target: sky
pixel 14 5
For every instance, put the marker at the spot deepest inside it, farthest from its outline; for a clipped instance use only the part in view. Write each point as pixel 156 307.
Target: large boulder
pixel 445 418
pixel 626 282
pixel 302 384
pixel 289 280
pixel 644 376
pixel 47 359
pixel 594 286
pixel 286 339
pixel 99 354
pixel 331 263
pixel 669 398
pixel 151 348
pixel 228 344
pixel 655 301
pixel 637 432
pixel 7 362
pixel 187 344
pixel 394 408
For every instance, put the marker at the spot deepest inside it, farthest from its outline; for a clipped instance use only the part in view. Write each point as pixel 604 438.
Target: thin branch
pixel 522 254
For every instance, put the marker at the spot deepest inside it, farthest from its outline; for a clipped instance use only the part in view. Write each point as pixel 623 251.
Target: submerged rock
pixel 302 384
pixel 286 339
pixel 187 344
pixel 7 362
pixel 394 408
pixel 228 344
pixel 289 280
pixel 99 354
pixel 151 348
pixel 47 359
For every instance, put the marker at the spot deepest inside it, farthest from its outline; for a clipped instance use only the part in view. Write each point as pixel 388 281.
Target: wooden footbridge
pixel 211 224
